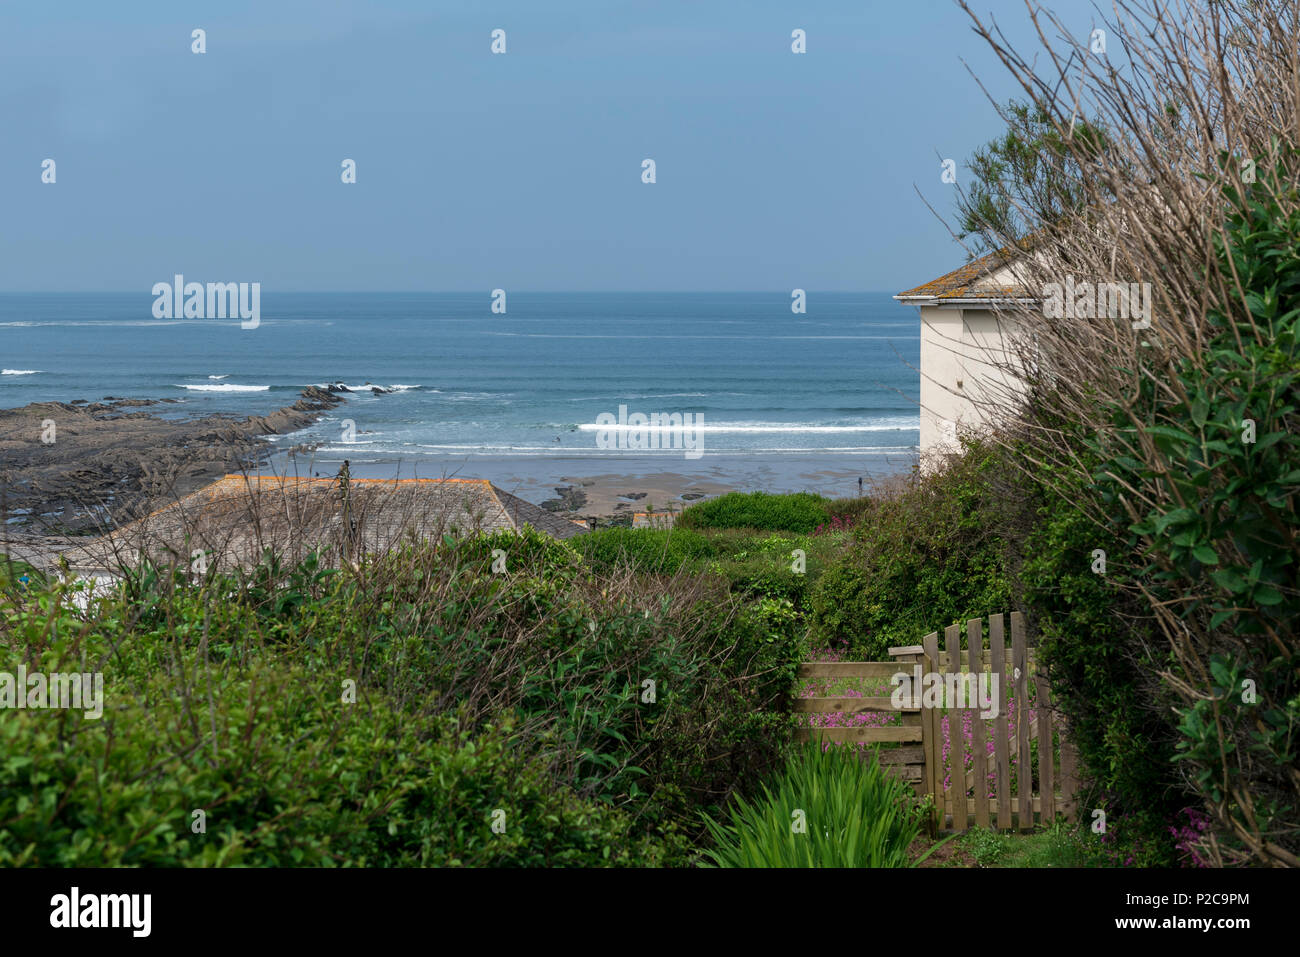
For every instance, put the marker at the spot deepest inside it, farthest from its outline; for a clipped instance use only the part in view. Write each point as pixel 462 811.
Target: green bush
pixel 931 556
pixel 647 549
pixel 852 511
pixel 284 771
pixel 767 565
pixel 827 808
pixel 800 512
pixel 550 659
pixel 1095 642
pixel 1200 474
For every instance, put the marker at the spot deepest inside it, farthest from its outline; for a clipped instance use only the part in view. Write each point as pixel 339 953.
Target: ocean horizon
pixel 777 397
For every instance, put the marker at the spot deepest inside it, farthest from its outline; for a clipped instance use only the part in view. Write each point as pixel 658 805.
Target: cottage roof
pixel 988 279
pixel 235 518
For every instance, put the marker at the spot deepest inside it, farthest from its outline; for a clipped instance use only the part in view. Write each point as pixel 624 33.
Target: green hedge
pixel 648 549
pixel 1098 646
pixel 801 512
pixel 529 686
pixel 927 558
pixel 284 774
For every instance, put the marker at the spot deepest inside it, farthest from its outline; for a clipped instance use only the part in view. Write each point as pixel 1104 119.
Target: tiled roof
pixel 235 518
pixel 653 519
pixel 972 281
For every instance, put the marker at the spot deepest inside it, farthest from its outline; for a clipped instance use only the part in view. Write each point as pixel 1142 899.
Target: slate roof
pixel 653 520
pixel 235 518
pixel 975 280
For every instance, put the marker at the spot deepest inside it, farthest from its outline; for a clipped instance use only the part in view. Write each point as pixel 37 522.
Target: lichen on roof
pixel 233 520
pixel 972 281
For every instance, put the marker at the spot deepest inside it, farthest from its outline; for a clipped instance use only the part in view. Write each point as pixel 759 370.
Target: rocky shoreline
pixel 78 467
pixel 602 502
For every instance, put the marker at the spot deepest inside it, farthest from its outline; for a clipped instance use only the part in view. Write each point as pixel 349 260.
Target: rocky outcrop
pixel 78 467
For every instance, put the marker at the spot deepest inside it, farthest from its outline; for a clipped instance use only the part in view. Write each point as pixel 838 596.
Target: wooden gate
pixel 1003 770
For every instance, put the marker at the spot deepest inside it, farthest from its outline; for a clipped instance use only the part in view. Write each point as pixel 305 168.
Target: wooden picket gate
pixel 921 748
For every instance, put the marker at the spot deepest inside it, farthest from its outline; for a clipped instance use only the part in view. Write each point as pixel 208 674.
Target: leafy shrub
pixel 765 566
pixel 771 639
pixel 851 511
pixel 928 557
pixel 530 551
pixel 548 657
pixel 1199 474
pixel 284 773
pixel 647 549
pixel 853 815
pixel 1093 638
pixel 800 512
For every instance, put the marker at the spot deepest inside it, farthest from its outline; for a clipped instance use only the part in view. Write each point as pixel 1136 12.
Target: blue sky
pixel 476 171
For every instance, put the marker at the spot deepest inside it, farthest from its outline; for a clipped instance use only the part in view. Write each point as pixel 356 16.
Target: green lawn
pixel 1057 846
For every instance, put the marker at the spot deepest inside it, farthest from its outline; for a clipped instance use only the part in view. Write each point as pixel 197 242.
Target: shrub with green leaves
pixel 1097 642
pixel 828 808
pixel 265 763
pixel 933 555
pixel 606 693
pixel 646 549
pixel 1200 469
pixel 799 512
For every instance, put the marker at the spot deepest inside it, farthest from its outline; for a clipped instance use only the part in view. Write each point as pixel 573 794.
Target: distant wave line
pixel 670 337
pixel 224 387
pixel 743 428
pixel 552 450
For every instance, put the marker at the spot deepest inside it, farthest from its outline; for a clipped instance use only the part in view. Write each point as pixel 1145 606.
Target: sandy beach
pixel 605 487
pixel 81 467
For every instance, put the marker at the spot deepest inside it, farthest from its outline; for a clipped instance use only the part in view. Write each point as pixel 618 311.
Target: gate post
pixel 930 744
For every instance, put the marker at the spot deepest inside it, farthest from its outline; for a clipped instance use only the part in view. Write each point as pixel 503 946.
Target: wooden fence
pixel 929 747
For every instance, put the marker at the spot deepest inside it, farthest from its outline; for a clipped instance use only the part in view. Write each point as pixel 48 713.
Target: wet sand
pixel 110 459
pixel 611 486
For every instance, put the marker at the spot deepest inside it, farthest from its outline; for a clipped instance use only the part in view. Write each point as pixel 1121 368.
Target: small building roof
pixel 985 280
pixel 653 519
pixel 236 518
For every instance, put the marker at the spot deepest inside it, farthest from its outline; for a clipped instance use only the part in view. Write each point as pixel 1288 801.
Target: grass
pixel 826 809
pixel 1057 846
pixel 13 571
pixel 800 512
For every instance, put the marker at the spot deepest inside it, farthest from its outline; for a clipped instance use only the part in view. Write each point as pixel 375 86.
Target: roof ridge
pixel 492 491
pixel 952 284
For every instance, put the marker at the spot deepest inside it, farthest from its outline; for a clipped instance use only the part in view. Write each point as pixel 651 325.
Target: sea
pixel 781 401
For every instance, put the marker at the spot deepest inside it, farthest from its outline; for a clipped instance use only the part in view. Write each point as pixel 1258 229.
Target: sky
pixel 475 170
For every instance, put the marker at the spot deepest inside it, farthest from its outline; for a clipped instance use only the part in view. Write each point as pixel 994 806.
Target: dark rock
pixel 109 459
pixel 571 499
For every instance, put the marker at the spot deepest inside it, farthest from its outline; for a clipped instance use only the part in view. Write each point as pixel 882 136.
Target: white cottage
pixel 964 325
